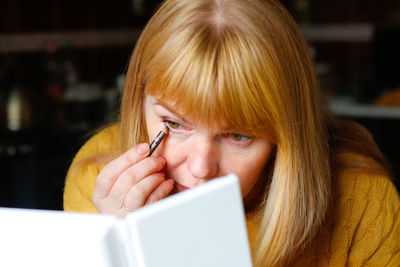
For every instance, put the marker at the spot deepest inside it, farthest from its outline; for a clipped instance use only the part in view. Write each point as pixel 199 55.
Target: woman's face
pixel 197 153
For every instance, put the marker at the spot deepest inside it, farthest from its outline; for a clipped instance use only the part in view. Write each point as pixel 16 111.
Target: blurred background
pixel 62 65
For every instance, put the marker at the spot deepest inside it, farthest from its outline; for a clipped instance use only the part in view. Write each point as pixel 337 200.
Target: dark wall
pixel 34 158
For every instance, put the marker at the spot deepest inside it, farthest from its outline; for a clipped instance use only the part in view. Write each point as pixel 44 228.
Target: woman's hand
pixel 131 181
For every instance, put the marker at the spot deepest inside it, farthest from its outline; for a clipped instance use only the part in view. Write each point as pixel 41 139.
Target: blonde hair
pixel 244 63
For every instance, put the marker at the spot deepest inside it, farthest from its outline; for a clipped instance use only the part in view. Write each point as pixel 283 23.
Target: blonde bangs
pixel 207 78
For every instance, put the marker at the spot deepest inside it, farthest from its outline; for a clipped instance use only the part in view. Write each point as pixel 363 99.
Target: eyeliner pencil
pixel 160 136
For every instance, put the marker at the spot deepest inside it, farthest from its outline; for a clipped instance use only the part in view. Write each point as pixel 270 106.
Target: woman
pixel 234 83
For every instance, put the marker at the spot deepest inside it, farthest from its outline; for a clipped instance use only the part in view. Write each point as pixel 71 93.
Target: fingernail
pixel 143 148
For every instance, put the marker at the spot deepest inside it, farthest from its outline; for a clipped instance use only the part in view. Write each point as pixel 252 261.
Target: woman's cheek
pixel 249 168
pixel 175 149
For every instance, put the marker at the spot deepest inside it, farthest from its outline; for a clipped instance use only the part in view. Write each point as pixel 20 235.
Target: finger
pixel 138 194
pixel 134 175
pixel 112 170
pixel 161 191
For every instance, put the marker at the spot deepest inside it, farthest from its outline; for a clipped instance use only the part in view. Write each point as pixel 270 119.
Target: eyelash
pixel 230 136
pixel 169 122
pixel 247 139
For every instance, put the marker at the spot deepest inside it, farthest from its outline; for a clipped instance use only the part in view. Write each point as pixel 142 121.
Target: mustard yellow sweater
pixel 364 224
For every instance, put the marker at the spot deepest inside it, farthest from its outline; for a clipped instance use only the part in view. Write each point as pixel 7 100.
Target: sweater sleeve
pixel 364 225
pixel 373 215
pixel 85 167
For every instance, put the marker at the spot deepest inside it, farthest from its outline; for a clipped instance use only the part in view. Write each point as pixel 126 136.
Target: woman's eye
pixel 172 124
pixel 238 137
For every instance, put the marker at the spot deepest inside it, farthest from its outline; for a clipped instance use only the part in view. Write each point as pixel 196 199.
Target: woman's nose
pixel 203 159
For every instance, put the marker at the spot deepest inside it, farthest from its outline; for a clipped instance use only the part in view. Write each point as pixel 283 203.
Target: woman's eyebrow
pixel 226 128
pixel 169 109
